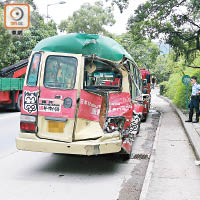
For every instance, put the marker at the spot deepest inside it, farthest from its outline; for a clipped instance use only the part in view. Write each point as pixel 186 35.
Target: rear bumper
pixel 89 147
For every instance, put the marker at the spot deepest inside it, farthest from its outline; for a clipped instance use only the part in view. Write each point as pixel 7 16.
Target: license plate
pixel 56 127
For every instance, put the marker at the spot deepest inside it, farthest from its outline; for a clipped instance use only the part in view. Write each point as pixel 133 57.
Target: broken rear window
pixel 100 75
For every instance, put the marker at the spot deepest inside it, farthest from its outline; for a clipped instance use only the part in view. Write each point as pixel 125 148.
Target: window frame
pixel 101 88
pixel 59 88
pixel 30 67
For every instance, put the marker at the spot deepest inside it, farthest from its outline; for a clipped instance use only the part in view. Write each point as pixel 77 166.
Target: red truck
pixel 11 85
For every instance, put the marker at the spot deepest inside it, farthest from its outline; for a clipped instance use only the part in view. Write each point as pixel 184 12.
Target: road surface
pixel 45 176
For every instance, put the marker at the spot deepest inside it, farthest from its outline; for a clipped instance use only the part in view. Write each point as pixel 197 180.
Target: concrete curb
pixel 149 171
pixel 190 131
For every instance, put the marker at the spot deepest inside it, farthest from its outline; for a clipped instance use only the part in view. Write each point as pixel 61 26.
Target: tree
pixel 144 52
pixel 23 45
pixel 30 2
pixel 175 21
pixel 15 48
pixel 89 19
pixel 5 40
pixel 122 4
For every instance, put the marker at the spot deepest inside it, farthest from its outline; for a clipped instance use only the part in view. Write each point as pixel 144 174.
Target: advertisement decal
pixel 57 103
pixel 90 106
pixel 120 105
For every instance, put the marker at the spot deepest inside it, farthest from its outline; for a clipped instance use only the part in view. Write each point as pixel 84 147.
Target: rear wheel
pixel 144 118
pixel 19 102
pixel 138 130
pixel 126 157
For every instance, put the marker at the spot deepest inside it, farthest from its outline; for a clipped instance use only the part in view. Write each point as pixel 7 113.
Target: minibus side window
pixel 135 77
pixel 133 90
pixel 33 70
pixel 140 79
pixel 60 72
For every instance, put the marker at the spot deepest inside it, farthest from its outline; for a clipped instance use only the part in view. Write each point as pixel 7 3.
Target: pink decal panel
pixel 29 100
pixel 90 106
pixel 120 105
pixel 57 103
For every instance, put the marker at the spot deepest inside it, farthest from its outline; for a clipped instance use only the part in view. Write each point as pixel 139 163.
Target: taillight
pixel 28 127
pixel 28 123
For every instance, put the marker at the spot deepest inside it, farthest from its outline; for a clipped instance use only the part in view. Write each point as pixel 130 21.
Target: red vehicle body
pixel 146 80
pixel 143 104
pixel 12 98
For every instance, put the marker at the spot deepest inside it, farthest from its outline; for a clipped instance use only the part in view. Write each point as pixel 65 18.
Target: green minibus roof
pixel 85 44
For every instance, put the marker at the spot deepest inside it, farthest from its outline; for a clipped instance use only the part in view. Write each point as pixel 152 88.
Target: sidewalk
pixel 192 130
pixel 172 173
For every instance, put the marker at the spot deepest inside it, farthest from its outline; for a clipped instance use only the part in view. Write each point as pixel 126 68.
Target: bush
pixel 180 96
pixel 176 90
pixel 173 85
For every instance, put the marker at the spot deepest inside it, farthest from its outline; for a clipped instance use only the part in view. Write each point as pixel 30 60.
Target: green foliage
pixel 175 21
pixel 5 40
pixel 160 68
pixel 89 19
pixel 180 96
pixel 122 4
pixel 30 2
pixel 144 52
pixel 15 48
pixel 173 85
pixel 176 90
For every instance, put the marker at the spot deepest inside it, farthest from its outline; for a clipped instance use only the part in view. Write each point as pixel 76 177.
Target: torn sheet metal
pixel 120 105
pixel 90 106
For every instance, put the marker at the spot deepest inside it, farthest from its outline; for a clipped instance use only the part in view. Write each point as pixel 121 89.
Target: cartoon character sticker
pixel 30 101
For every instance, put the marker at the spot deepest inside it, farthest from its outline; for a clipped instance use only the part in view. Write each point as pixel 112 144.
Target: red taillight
pixel 28 127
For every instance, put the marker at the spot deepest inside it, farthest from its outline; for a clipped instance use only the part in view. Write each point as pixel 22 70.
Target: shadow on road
pixel 73 164
pixel 4 111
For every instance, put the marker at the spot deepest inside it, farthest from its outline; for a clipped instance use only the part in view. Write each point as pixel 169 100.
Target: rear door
pixel 59 87
pixel 31 89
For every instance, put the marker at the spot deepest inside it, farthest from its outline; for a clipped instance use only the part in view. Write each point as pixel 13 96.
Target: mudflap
pixel 127 146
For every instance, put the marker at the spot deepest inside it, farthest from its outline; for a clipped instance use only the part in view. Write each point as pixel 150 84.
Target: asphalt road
pixel 9 123
pixel 44 176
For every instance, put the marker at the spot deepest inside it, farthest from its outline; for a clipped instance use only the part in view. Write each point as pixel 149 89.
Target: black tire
pixel 144 118
pixel 138 131
pixel 125 157
pixel 18 105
